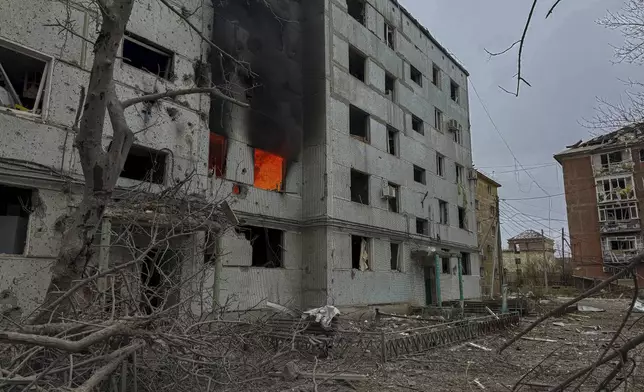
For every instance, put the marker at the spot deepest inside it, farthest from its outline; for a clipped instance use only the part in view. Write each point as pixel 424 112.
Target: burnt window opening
pixel 357 64
pixel 417 125
pixel 443 212
pixel 359 187
pixel 462 218
pixel 394 256
pixel 390 86
pixel 422 226
pixel 356 9
pixel 23 79
pixel 15 208
pixel 143 54
pixel 392 197
pixel 440 165
pixel 392 141
pixel 267 246
pixel 454 91
pixel 269 171
pixel 466 264
pixel 420 175
pixel 217 150
pixel 436 76
pixel 415 75
pixel 389 35
pixel 438 119
pixel 360 259
pixel 358 124
pixel 145 164
pixel 445 265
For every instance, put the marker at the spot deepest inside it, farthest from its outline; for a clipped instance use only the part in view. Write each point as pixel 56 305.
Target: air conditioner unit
pixel 471 174
pixel 388 192
pixel 453 125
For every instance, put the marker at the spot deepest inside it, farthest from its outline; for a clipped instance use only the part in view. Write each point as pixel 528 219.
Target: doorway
pixel 430 286
pixel 158 272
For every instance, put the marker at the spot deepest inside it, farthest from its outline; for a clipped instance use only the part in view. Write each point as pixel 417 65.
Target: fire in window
pixel 145 164
pixel 217 155
pixel 23 78
pixel 269 171
pixel 146 55
pixel 360 252
pixel 15 207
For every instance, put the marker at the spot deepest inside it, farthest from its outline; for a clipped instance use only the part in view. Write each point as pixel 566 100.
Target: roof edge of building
pixel 488 179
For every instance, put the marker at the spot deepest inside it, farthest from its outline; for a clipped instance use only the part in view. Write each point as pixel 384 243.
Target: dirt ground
pixel 577 342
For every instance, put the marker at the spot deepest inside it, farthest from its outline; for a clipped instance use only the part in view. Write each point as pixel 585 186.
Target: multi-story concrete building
pixel 528 256
pixel 488 230
pixel 602 180
pixel 351 170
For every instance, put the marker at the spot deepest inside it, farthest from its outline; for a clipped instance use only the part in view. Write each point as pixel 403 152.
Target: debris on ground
pixel 323 315
pixel 478 346
pixel 539 339
pixel 639 306
pixel 586 308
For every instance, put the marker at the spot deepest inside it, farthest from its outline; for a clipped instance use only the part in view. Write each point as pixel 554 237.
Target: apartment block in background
pixel 528 256
pixel 487 228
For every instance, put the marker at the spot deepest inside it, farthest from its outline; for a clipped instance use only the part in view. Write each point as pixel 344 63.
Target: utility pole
pixel 563 257
pixel 545 262
pixel 499 252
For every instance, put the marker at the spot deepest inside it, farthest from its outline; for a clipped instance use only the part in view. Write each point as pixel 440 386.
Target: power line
pixel 534 198
pixel 520 170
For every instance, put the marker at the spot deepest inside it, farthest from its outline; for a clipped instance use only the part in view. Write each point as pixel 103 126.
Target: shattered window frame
pixel 626 209
pixel 365 246
pixel 146 44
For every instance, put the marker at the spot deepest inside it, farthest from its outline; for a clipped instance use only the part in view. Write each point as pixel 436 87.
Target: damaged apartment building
pixel 350 171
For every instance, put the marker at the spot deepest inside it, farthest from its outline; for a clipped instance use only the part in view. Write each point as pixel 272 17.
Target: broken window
pixel 356 9
pixel 269 171
pixel 458 136
pixel 358 124
pixel 15 207
pixel 618 212
pixel 415 75
pixel 359 187
pixel 462 218
pixel 445 265
pixel 357 64
pixel 443 211
pixel 217 155
pixel 440 165
pixel 394 256
pixel 145 164
pixel 438 119
pixel 392 140
pixel 466 264
pixel 417 124
pixel 143 54
pixel 627 243
pixel 419 175
pixel 389 35
pixel 611 158
pixel 422 226
pixel 436 76
pixel 360 252
pixel 454 91
pixel 23 78
pixel 459 173
pixel 392 197
pixel 615 189
pixel 267 246
pixel 390 85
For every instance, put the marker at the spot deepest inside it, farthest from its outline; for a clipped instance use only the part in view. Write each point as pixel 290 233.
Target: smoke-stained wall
pixel 265 34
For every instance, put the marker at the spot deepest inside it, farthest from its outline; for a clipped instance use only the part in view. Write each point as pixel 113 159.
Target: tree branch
pixel 553 8
pixel 170 94
pixel 106 370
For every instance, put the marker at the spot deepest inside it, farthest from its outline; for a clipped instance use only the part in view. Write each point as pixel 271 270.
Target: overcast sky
pixel 569 62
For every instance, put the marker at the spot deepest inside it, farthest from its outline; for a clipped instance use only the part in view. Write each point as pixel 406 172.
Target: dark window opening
pixel 358 124
pixel 445 267
pixel 157 270
pixel 267 246
pixel 15 207
pixel 356 9
pixel 359 187
pixel 390 83
pixel 459 173
pixel 392 141
pixel 146 55
pixel 22 80
pixel 417 125
pixel 517 261
pixel 394 256
pixel 419 175
pixel 392 197
pixel 476 204
pixel 360 252
pixel 422 226
pixel 217 155
pixel 443 211
pixel 440 165
pixel 642 155
pixel 466 264
pixel 436 76
pixel 454 91
pixel 438 119
pixel 389 35
pixel 415 75
pixel 462 218
pixel 357 64
pixel 145 164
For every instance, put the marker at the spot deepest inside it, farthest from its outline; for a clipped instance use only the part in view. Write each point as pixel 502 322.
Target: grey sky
pixel 569 62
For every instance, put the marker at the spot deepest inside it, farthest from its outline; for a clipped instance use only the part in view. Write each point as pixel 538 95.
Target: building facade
pixel 528 256
pixel 487 228
pixel 350 171
pixel 603 178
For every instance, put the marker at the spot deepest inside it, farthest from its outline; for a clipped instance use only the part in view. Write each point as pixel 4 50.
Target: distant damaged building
pixel 603 184
pixel 350 172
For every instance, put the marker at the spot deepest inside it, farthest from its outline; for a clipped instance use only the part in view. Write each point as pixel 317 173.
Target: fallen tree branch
pixel 106 370
pixel 169 94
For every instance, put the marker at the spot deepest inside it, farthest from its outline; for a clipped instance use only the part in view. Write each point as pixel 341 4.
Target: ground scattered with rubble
pixel 578 339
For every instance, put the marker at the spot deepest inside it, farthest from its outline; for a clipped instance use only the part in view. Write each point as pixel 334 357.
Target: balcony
pixel 616 162
pixel 617 250
pixel 619 226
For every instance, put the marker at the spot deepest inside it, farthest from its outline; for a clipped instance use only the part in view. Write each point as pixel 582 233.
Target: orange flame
pixel 269 170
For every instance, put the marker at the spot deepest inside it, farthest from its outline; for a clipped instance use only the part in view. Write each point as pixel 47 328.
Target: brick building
pixel 487 227
pixel 603 183
pixel 529 253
